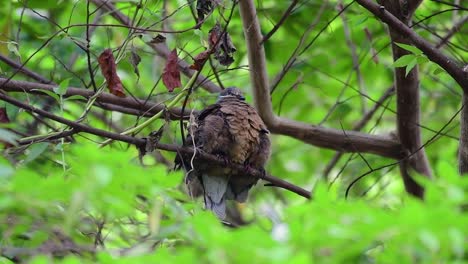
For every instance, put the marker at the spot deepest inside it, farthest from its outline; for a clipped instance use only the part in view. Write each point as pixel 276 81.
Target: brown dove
pixel 232 130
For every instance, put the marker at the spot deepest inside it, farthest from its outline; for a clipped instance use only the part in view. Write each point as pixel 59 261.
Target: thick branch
pixel 345 141
pixel 127 105
pixel 257 62
pixel 408 104
pixel 457 73
pixel 141 144
pixel 360 125
pixel 348 141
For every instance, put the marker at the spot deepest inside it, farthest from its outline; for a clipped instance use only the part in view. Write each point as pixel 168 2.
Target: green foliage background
pixel 53 190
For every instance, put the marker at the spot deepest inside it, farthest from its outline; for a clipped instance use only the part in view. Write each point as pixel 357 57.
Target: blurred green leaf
pixel 61 89
pixel 410 48
pixel 8 137
pixel 35 151
pixel 404 60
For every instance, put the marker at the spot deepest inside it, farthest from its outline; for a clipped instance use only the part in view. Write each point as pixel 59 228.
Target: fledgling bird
pixel 232 130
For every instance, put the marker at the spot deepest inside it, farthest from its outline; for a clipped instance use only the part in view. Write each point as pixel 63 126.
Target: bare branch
pixel 27 72
pixel 360 125
pixel 457 73
pixel 408 103
pixel 350 141
pixel 257 62
pixel 140 143
pixel 127 105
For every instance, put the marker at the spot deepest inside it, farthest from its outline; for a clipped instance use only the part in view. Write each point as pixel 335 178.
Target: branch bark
pixel 408 103
pixel 127 105
pixel 140 143
pixel 448 64
pixel 346 141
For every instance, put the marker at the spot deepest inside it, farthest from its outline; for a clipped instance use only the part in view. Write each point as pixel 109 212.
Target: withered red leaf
pixel 3 115
pixel 171 73
pixel 204 7
pixel 109 70
pixel 222 45
pixel 4 119
pixel 158 39
pixel 199 60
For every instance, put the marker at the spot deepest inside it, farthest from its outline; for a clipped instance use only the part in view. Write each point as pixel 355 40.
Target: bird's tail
pixel 215 192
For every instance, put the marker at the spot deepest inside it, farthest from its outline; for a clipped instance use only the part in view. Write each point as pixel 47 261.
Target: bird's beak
pixel 242 98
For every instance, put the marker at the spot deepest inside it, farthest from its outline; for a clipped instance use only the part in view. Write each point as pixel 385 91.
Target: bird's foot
pixel 224 158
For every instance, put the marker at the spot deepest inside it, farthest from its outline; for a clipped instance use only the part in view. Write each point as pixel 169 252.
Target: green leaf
pixel 61 89
pixel 6 171
pixel 438 70
pixel 411 65
pixel 49 93
pixel 8 137
pixel 404 60
pixel 75 97
pixel 410 48
pixel 35 151
pixel 422 59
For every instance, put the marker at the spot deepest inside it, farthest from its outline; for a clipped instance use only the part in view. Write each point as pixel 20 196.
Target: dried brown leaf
pixel 109 70
pixel 204 7
pixel 3 115
pixel 171 73
pixel 158 39
pixel 4 119
pixel 200 60
pixel 222 45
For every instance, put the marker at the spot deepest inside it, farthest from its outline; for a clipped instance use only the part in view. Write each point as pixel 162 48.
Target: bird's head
pixel 231 92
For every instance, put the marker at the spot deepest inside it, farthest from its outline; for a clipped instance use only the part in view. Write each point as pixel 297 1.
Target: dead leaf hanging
pixel 199 60
pixel 171 73
pixel 135 59
pixel 8 141
pixel 222 44
pixel 204 7
pixel 3 115
pixel 109 70
pixel 158 39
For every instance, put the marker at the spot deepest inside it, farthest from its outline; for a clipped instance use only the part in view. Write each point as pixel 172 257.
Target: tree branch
pixel 457 72
pixel 127 105
pixel 350 141
pixel 257 62
pixel 140 143
pixel 408 103
pixel 27 72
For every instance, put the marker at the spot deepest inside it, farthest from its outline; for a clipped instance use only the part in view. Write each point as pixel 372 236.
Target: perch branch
pixel 127 105
pixel 140 143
